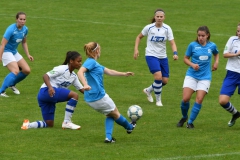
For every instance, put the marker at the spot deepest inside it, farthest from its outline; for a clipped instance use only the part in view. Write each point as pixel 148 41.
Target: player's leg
pixel 201 90
pixel 10 62
pixel 71 97
pixel 48 110
pixel 229 86
pixel 25 70
pixel 189 87
pixel 109 123
pixel 47 106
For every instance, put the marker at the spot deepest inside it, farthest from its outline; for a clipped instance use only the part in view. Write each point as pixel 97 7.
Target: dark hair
pixel 206 30
pixel 71 55
pixel 20 13
pixel 159 9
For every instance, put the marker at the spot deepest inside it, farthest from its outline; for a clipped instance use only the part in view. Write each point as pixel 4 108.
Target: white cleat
pixel 14 89
pixel 159 104
pixel 3 94
pixel 70 125
pixel 149 96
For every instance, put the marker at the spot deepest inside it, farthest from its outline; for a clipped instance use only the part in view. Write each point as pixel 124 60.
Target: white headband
pixel 160 12
pixel 95 48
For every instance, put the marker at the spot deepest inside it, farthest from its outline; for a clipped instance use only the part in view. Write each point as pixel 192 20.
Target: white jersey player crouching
pixel 55 89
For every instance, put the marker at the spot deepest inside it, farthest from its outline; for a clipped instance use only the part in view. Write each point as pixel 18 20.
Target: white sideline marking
pixel 115 24
pixel 198 156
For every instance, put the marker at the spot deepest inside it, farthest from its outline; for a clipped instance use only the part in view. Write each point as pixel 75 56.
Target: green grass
pixel 58 26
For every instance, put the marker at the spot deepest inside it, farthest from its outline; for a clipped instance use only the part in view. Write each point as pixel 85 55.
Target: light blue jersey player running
pixel 199 74
pixel 55 90
pixel 158 33
pixel 18 67
pixel 232 79
pixel 91 76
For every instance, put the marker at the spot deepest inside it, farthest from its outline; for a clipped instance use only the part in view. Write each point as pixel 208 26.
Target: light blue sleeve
pixel 8 33
pixel 189 50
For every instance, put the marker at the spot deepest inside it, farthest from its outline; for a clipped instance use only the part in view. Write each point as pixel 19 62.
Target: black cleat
pixel 113 140
pixel 134 124
pixel 190 126
pixel 233 120
pixel 181 122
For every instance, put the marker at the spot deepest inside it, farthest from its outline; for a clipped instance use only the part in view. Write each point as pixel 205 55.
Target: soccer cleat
pixel 70 125
pixel 134 124
pixel 3 94
pixel 149 96
pixel 181 122
pixel 159 103
pixel 233 120
pixel 25 124
pixel 190 126
pixel 14 89
pixel 113 140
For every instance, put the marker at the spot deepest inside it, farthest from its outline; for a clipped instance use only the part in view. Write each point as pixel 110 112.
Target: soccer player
pixel 16 33
pixel 232 79
pixel 91 76
pixel 55 90
pixel 199 74
pixel 156 56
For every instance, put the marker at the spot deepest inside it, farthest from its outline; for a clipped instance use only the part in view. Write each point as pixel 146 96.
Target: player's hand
pixel 30 58
pixel 86 87
pixel 51 92
pixel 129 74
pixel 175 57
pixel 136 54
pixel 195 66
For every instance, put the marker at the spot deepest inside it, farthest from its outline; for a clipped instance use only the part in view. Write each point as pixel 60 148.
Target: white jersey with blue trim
pixel 156 39
pixel 233 46
pixel 60 77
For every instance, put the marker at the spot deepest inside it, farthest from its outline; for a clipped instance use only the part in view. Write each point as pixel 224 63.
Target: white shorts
pixel 195 84
pixel 8 57
pixel 104 105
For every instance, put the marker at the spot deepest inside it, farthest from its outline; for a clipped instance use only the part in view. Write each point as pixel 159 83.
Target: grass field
pixel 56 27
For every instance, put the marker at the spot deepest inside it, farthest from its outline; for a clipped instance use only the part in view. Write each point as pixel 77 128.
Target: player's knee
pixel 50 123
pixel 27 71
pixel 73 95
pixel 222 101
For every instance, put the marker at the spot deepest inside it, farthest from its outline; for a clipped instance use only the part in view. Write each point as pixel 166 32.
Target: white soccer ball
pixel 135 112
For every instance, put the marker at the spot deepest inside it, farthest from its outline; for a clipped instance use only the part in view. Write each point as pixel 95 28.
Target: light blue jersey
pixel 14 37
pixel 201 55
pixel 94 77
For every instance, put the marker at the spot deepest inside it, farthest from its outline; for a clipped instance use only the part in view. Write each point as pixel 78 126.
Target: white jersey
pixel 60 77
pixel 156 39
pixel 233 46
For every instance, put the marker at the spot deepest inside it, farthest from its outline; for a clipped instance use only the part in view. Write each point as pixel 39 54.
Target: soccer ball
pixel 135 112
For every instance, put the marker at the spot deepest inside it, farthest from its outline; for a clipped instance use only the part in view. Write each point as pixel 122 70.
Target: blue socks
pixel 184 109
pixel 194 113
pixel 109 123
pixel 122 121
pixel 8 81
pixel 21 76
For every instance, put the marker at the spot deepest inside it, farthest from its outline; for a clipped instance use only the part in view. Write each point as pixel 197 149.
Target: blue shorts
pixel 48 104
pixel 230 83
pixel 155 64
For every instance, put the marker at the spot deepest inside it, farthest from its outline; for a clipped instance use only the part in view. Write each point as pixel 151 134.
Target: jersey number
pixel 157 39
pixel 65 84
